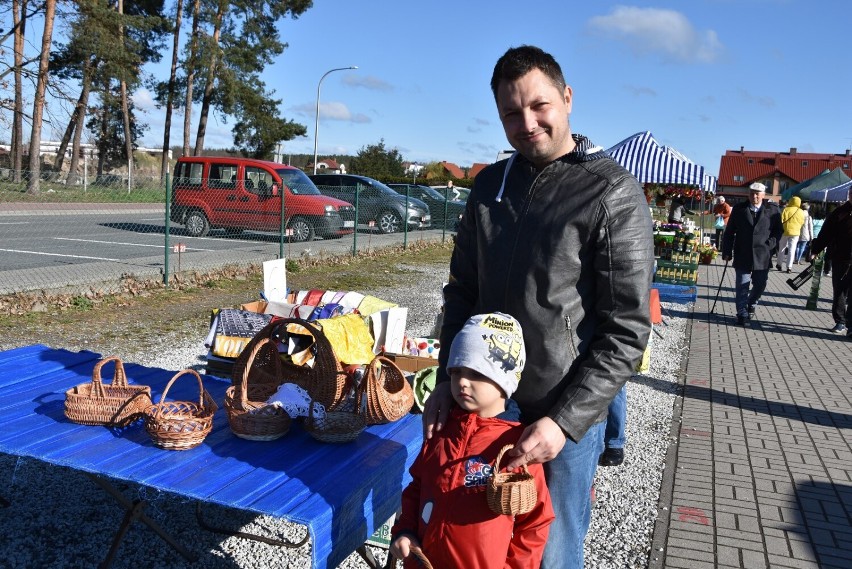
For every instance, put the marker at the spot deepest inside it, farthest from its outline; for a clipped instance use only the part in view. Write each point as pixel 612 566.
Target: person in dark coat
pixel 836 236
pixel 753 230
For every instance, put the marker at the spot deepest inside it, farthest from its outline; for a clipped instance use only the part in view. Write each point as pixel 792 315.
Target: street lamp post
pixel 316 124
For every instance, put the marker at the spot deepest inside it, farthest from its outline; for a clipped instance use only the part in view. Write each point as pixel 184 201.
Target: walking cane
pixel 720 286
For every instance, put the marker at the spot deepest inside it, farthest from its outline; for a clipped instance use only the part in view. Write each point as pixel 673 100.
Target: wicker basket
pixel 180 425
pixel 388 394
pixel 510 493
pixel 249 416
pixel 117 404
pixel 336 427
pixel 421 557
pixel 325 380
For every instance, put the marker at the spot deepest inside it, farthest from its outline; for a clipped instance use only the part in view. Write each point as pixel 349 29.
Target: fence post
pixel 355 233
pixel 282 228
pixel 405 220
pixel 167 231
pixel 446 211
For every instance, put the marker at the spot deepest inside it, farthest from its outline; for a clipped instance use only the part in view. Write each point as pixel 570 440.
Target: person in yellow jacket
pixel 792 219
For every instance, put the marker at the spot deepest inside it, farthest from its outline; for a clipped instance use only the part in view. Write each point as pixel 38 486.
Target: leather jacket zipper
pixel 570 333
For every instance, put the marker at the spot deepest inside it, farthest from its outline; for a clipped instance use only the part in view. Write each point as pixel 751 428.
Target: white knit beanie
pixel 493 345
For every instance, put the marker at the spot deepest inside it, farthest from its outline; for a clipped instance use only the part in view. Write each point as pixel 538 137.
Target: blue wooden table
pixel 341 493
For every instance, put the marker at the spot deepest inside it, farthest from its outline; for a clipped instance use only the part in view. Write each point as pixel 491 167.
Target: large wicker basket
pixel 510 493
pixel 388 394
pixel 325 380
pixel 116 404
pixel 181 425
pixel 249 416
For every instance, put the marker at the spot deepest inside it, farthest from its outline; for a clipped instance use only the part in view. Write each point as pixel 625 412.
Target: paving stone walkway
pixel 762 471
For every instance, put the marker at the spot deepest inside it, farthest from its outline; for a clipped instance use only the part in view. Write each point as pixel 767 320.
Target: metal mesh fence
pixel 92 235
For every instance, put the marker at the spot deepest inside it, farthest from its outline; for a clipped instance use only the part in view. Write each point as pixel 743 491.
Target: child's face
pixel 476 393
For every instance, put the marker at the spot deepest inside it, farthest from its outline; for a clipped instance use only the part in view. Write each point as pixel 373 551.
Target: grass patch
pixel 161 310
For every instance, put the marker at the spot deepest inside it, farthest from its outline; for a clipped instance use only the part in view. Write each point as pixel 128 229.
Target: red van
pixel 237 194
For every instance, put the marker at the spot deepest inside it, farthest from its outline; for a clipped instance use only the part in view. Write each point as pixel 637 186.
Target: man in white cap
pixel 753 230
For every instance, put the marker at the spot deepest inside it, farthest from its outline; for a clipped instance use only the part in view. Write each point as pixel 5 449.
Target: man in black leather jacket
pixel 560 237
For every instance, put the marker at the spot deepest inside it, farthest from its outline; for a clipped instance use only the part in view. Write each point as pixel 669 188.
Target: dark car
pixel 437 203
pixel 376 203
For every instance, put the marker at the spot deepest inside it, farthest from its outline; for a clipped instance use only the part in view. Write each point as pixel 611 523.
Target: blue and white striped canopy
pixel 645 158
pixel 837 194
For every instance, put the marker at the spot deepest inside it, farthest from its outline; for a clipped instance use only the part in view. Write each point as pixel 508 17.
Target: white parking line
pixel 59 255
pixel 159 246
pixel 14 222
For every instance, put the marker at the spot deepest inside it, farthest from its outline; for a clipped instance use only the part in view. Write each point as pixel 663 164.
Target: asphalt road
pixel 58 245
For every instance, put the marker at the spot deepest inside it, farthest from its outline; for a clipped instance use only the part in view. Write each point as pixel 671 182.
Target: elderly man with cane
pixel 753 230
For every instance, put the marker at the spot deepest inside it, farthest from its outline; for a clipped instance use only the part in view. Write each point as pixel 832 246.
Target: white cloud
pixel 331 111
pixel 761 100
pixel 638 91
pixel 368 82
pixel 665 32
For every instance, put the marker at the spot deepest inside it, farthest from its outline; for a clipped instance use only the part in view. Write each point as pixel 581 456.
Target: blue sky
pixel 702 75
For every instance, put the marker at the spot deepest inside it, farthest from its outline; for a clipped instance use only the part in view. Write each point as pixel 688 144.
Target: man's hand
pixel 540 442
pixel 726 257
pixel 437 409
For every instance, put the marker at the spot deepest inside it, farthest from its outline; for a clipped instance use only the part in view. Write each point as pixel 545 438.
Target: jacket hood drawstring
pixel 584 149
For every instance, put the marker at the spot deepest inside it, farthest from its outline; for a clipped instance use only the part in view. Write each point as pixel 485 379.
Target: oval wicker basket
pixel 325 380
pixel 510 493
pixel 249 416
pixel 116 404
pixel 388 394
pixel 180 425
pixel 336 426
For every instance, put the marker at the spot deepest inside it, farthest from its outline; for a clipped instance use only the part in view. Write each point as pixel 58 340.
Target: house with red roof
pixel 452 170
pixel 327 166
pixel 777 170
pixel 476 169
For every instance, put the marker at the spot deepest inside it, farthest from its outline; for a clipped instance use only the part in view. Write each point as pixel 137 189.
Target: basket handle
pixel 243 400
pixel 119 378
pixel 172 380
pixel 500 456
pixel 417 552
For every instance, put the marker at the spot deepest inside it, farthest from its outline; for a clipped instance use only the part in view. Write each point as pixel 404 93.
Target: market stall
pixel 667 174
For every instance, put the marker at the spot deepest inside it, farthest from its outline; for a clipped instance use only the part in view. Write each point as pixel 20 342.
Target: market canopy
pixel 651 162
pixel 829 179
pixel 837 194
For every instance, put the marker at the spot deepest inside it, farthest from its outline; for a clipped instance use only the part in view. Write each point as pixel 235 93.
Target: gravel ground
pixel 57 518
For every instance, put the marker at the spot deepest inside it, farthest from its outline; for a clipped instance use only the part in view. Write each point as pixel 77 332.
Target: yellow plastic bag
pixel 349 337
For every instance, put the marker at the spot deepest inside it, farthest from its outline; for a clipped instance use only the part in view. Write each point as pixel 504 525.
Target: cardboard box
pixel 411 363
pixel 257 306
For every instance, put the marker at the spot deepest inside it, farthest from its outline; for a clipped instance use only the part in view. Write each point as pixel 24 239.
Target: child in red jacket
pixel 444 509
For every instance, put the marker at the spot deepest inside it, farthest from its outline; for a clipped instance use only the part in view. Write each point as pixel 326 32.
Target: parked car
pixel 376 203
pixel 436 201
pixel 237 194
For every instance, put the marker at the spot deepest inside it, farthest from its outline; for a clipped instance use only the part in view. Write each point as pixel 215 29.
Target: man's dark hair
pixel 518 61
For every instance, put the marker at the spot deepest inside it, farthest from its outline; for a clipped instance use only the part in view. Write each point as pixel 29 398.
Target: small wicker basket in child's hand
pixel 336 426
pixel 249 416
pixel 117 404
pixel 510 493
pixel 389 395
pixel 421 557
pixel 180 425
